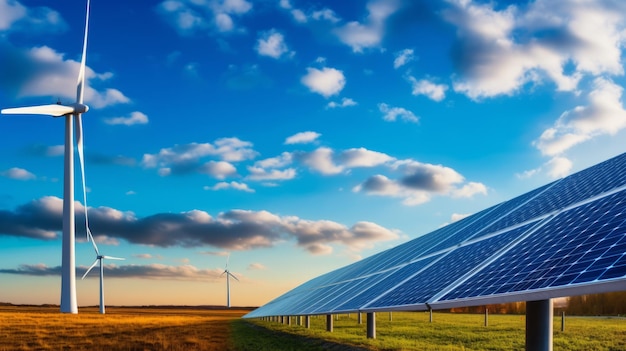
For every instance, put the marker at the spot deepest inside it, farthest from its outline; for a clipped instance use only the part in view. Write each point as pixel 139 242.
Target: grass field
pixel 413 331
pixel 44 328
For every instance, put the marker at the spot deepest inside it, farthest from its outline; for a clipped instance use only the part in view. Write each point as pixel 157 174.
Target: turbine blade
pixel 93 242
pixel 49 110
pixel 80 86
pixel 113 258
pixel 90 268
pixel 81 157
pixel 232 275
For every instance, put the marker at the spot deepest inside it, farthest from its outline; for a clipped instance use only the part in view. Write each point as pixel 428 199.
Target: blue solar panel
pixel 565 237
pixel 383 285
pixel 583 244
pixel 422 286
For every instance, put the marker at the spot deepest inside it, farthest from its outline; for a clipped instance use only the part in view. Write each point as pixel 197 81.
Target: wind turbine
pixel 72 113
pixel 98 260
pixel 228 275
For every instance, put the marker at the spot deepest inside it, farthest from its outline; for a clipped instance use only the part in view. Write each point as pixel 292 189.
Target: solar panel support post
pixel 430 310
pixel 562 321
pixel 390 316
pixel 539 316
pixel 288 320
pixel 307 322
pixel 359 318
pixel 486 317
pixel 371 325
pixel 329 323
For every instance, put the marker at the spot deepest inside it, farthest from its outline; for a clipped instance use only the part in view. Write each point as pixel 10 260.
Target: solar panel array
pixel 565 238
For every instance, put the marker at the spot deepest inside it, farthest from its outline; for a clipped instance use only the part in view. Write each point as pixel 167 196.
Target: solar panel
pixel 567 237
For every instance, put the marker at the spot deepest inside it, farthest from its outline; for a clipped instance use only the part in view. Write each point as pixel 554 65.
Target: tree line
pixel 606 304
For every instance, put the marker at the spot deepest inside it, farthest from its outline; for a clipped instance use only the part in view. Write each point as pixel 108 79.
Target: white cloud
pixel 458 216
pixel 362 157
pixel 52 75
pixel 321 160
pixel 499 51
pixel 16 17
pixel 190 16
pixel 326 82
pixel 218 169
pixel 603 115
pixel 258 173
pixel 436 92
pixel 272 44
pixel 368 35
pixel 391 114
pixel 183 159
pixel 230 185
pixel 256 267
pixel 18 174
pixel 418 182
pixel 559 167
pixel 134 118
pixel 345 102
pixel 302 138
pixel 403 57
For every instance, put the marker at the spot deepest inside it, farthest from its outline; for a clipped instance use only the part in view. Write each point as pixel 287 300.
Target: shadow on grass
pixel 246 336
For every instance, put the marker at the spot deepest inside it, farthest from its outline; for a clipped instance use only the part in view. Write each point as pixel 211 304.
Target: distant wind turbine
pixel 228 275
pixel 98 260
pixel 75 110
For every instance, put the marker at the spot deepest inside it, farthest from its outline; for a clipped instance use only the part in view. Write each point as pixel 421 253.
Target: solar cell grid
pixel 424 285
pixel 580 245
pixel 585 184
pixel 383 285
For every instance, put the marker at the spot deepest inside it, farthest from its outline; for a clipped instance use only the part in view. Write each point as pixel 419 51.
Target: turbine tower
pixel 72 113
pixel 228 275
pixel 98 260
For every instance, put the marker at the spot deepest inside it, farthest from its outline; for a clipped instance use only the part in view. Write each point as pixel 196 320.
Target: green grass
pixel 413 331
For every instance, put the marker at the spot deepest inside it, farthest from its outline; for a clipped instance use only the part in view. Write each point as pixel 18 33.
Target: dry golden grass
pixel 45 328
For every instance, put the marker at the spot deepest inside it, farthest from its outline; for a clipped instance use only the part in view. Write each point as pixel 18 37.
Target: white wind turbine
pixel 98 260
pixel 71 113
pixel 228 275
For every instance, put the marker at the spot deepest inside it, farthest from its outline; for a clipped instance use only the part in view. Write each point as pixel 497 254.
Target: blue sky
pixel 296 136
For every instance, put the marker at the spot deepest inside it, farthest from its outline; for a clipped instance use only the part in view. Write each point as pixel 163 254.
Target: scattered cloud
pixel 231 230
pixel 498 51
pixel 436 92
pixel 418 182
pixel 256 267
pixel 403 57
pixel 17 18
pixel 302 138
pixel 18 174
pixel 391 114
pixel 272 44
pixel 458 216
pixel 151 271
pixel 211 16
pixel 345 102
pixel 369 34
pixel 326 82
pixel 185 159
pixel 134 118
pixel 603 115
pixel 230 185
pixel 41 71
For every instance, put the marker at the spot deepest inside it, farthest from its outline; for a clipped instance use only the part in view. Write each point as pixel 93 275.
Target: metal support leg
pixel 539 316
pixel 371 325
pixel 307 321
pixel 329 323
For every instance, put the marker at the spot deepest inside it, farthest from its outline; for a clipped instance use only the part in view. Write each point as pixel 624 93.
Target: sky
pixel 291 137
